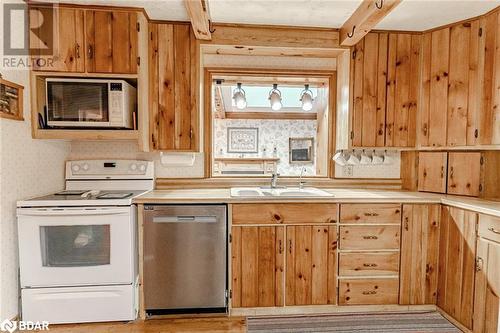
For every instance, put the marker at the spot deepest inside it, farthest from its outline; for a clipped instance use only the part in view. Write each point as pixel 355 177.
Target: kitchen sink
pixel 278 192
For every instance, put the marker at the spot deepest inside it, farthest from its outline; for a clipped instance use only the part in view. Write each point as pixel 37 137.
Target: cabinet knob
pixel 77 50
pixel 90 52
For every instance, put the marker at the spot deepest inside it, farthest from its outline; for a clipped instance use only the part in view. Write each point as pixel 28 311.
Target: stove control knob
pixel 142 167
pixel 133 167
pixel 86 167
pixel 75 167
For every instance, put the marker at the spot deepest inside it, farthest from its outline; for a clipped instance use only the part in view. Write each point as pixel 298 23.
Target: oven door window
pixel 75 245
pixel 77 101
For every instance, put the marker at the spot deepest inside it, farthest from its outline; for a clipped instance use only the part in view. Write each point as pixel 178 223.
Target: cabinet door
pixel 432 171
pixel 457 253
pixel 489 127
pixel 111 41
pixel 464 173
pixel 311 265
pixel 370 70
pixel 402 89
pixel 172 95
pixel 257 255
pixel 487 289
pixel 419 254
pixel 63 28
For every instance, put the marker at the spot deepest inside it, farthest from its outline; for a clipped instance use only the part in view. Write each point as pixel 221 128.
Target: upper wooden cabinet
pixel 385 90
pixel 173 76
pixel 459 84
pixel 64 27
pixel 432 171
pixel 111 41
pixel 92 41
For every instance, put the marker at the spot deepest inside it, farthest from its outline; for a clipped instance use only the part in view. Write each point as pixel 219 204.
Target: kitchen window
pixel 263 123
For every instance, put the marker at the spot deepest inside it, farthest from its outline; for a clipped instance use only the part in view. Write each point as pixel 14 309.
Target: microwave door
pixel 77 104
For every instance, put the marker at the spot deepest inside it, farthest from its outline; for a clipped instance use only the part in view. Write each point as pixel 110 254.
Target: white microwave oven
pixel 90 103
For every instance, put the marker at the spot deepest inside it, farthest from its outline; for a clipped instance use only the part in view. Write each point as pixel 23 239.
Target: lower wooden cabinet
pixel 419 254
pixel 487 290
pixel 373 291
pixel 311 265
pixel 457 264
pixel 257 255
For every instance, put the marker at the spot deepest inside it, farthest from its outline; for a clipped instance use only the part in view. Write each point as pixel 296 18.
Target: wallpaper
pixel 28 168
pixel 273 134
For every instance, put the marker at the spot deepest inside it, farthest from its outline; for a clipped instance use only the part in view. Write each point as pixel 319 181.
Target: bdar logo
pixel 8 326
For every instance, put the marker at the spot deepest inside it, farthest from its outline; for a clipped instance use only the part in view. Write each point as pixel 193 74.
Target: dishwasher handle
pixel 185 219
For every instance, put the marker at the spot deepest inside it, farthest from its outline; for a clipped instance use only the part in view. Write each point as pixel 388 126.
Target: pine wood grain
pixel 369 291
pixel 270 213
pixel 371 264
pixel 364 237
pixel 370 213
pixel 432 168
pixel 464 173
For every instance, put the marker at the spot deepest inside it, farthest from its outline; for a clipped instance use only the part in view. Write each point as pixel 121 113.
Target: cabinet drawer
pixel 284 213
pixel 360 264
pixel 367 213
pixel 489 227
pixel 362 237
pixel 367 292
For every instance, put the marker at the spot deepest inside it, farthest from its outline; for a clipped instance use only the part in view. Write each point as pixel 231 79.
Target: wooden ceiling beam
pixel 200 18
pixel 365 18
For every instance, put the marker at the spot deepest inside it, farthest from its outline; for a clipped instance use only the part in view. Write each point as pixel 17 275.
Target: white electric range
pixel 78 248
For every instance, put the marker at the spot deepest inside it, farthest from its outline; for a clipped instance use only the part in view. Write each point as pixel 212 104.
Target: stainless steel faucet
pixel 302 183
pixel 274 180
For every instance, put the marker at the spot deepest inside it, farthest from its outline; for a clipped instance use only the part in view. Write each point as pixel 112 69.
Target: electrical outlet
pixel 347 170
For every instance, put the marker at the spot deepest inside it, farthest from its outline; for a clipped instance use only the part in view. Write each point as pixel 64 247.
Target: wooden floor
pixel 184 325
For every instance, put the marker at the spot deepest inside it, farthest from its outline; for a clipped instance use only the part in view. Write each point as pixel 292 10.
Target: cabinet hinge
pixel 138 27
pixel 352 135
pixel 138 61
pixel 354 54
pixel 480 187
pixel 231 294
pixel 481 160
pixel 230 238
pixel 480 32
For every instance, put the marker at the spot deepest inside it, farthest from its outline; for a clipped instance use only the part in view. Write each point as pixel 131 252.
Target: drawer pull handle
pixel 493 230
pixel 371 292
pixel 280 248
pixel 370 237
pixel 371 214
pixel 370 265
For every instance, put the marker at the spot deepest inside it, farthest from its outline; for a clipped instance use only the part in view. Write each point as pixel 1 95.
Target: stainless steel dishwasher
pixel 185 258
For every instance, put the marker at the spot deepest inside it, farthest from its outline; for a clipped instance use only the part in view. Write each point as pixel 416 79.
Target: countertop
pixel 339 195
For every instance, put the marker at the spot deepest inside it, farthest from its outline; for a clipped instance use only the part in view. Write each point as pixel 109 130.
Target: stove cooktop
pixel 79 198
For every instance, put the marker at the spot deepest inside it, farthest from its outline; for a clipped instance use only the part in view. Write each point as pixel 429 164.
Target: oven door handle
pixel 73 212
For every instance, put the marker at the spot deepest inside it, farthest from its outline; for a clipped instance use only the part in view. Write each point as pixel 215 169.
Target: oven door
pixel 76 246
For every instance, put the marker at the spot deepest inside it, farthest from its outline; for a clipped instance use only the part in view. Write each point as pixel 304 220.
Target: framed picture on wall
pixel 242 140
pixel 301 150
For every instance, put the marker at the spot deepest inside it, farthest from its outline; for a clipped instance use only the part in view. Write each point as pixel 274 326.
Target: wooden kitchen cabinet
pixel 385 90
pixel 311 265
pixel 278 213
pixel 419 254
pixel 459 85
pixel 464 173
pixel 373 291
pixel 63 27
pixel 111 41
pixel 173 87
pixel 487 287
pixel 257 266
pixel 432 168
pixel 457 264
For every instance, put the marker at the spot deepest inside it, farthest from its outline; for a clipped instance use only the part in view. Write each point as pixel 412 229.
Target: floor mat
pixel 426 322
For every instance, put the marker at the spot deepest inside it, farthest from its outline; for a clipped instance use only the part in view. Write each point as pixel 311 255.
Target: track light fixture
pixel 239 97
pixel 275 98
pixel 306 97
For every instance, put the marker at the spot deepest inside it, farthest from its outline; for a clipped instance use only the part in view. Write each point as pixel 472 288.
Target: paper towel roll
pixel 177 159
